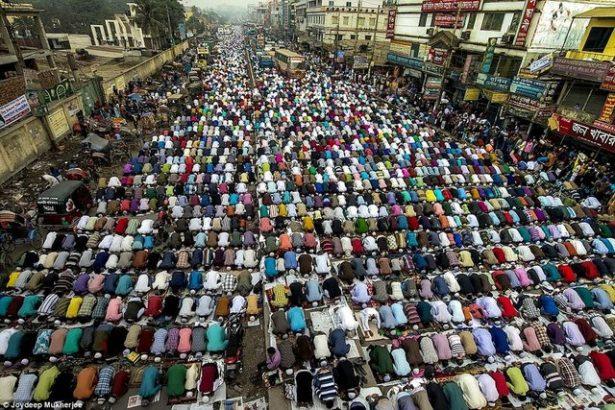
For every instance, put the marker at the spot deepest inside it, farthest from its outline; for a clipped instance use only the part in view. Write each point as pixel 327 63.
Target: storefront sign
pixel 488 57
pixel 447 20
pixel 493 83
pixel 391 23
pixel 536 89
pixel 360 63
pixel 495 97
pixel 467 65
pixel 432 88
pixel 594 137
pixel 405 61
pixel 413 73
pixel 437 56
pixel 57 123
pixel 526 20
pixel 433 68
pixel 609 79
pixel 606 115
pixel 14 111
pixel 431 6
pixel 542 64
pixel 581 69
pixel 471 94
pixel 524 103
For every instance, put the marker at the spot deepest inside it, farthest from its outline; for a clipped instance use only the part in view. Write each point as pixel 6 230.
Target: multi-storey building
pixel 344 27
pixel 475 50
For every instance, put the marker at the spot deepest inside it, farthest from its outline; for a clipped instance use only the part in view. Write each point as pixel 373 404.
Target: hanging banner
pixel 14 111
pixel 471 94
pixel 606 115
pixel 391 23
pixel 489 53
pixel 609 79
pixel 467 65
pixel 591 136
pixel 526 20
pixel 431 6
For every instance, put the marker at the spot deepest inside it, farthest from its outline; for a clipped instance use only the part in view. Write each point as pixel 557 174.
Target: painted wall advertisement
pixel 391 23
pixel 14 111
pixel 434 6
pixel 591 136
pixel 524 27
pixel 557 26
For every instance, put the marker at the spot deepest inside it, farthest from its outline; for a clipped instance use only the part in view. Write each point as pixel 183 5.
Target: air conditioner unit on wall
pixel 465 35
pixel 430 31
pixel 507 39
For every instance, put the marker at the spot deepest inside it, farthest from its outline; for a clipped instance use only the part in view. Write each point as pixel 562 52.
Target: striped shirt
pixel 100 308
pixel 325 386
pixel 48 304
pixel 568 372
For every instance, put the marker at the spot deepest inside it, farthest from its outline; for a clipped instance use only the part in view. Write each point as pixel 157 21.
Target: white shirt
pixel 321 347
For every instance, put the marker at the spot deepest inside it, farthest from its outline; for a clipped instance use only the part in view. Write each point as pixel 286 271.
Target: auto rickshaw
pixel 60 204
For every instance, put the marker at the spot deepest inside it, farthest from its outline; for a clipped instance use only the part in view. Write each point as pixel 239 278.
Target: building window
pixel 471 21
pixel 335 20
pixel 414 50
pixel 353 37
pixel 492 21
pixel 597 39
pixel 339 37
pixel 368 38
pixel 345 20
pixel 348 4
pixel 361 22
pixel 372 21
pixel 514 23
pixel 331 3
pixel 423 20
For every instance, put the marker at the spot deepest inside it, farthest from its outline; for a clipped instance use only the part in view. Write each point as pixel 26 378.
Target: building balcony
pixel 588 55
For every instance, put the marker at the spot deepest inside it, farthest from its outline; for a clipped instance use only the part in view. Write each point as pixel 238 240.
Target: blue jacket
pixel 337 343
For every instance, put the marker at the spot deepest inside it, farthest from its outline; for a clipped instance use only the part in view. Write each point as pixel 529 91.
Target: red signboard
pixel 608 109
pixel 434 6
pixel 526 20
pixel 447 20
pixel 609 79
pixel 391 23
pixel 589 135
pixel 437 56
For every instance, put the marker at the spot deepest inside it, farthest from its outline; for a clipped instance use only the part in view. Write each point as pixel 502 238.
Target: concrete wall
pixel 144 69
pixel 24 142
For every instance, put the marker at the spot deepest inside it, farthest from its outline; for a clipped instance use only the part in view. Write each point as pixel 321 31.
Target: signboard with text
pixel 535 89
pixel 581 69
pixel 494 83
pixel 14 111
pixel 591 136
pixel 405 61
pixel 488 57
pixel 526 20
pixel 434 6
pixel 606 115
pixel 609 79
pixel 437 56
pixel 448 20
pixel 391 23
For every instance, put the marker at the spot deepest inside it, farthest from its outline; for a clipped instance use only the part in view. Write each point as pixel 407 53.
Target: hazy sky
pixel 215 4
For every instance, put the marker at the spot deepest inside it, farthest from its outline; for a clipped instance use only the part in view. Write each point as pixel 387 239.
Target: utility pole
pixel 374 34
pixel 8 31
pixel 449 58
pixel 356 28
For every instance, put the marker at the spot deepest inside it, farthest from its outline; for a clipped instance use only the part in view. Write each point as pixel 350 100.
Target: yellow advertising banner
pixel 494 97
pixel 471 94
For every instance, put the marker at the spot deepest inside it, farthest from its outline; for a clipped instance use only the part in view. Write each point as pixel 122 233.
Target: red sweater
pixel 603 365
